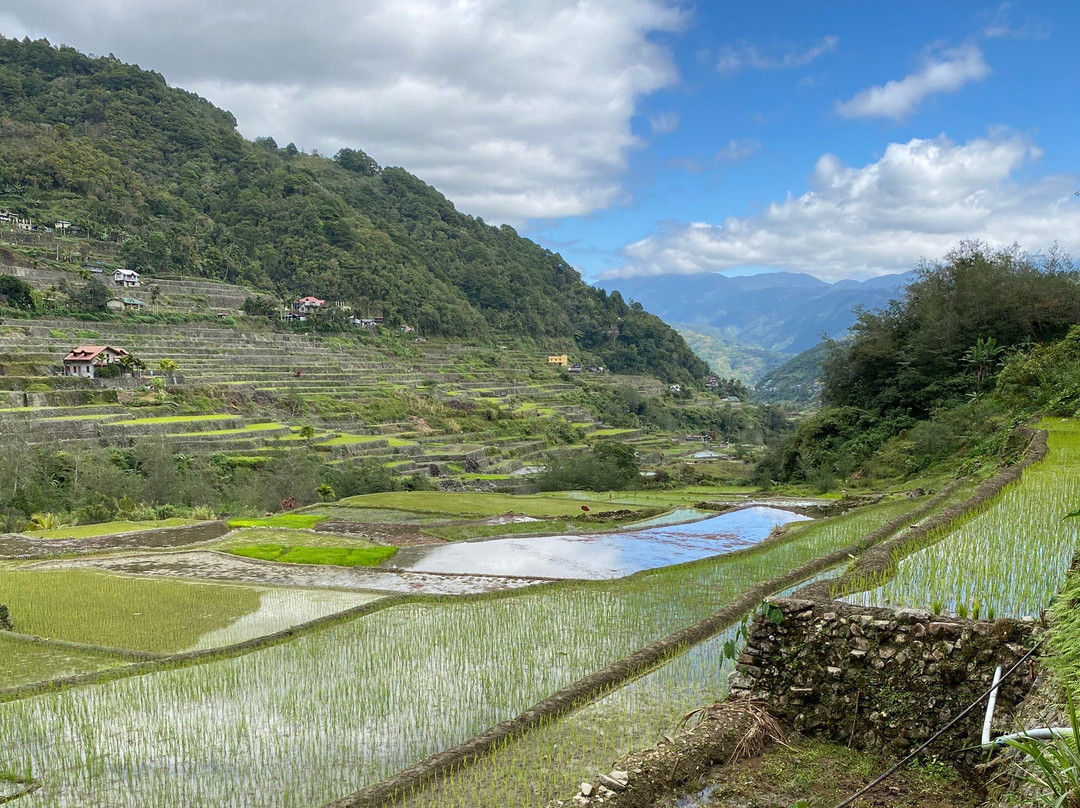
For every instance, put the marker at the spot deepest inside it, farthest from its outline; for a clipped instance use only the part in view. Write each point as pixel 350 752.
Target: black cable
pixel 952 722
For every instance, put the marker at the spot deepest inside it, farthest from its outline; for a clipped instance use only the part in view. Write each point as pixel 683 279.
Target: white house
pixel 83 361
pixel 125 277
pixel 305 307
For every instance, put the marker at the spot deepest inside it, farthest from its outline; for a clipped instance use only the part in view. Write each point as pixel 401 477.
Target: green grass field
pixel 22 662
pixel 335 556
pixel 294 520
pixel 108 528
pixel 477 504
pixel 140 614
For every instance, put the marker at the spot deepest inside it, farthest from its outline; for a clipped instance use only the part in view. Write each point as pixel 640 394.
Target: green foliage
pixel 609 466
pixel 336 556
pixel 1053 767
pixel 16 293
pixel 941 340
pixel 293 520
pixel 165 173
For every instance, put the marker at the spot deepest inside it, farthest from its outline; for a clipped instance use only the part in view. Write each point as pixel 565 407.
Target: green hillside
pixel 163 176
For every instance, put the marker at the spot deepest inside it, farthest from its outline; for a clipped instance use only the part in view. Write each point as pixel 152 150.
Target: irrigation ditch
pixel 591 687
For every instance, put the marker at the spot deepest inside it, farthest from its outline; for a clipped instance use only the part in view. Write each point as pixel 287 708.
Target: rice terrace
pixel 318 492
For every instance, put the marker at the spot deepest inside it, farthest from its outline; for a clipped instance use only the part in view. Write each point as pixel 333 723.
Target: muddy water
pixel 280 609
pixel 611 555
pixel 210 566
pixel 14 545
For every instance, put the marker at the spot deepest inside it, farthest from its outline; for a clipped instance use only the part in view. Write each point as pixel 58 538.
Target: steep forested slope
pixel 165 175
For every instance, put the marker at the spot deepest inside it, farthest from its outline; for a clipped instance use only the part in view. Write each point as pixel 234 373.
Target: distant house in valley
pixel 305 307
pixel 574 368
pixel 407 329
pixel 15 220
pixel 125 277
pixel 675 388
pixel 131 303
pixel 84 360
pixel 562 360
pixel 594 369
pixel 62 226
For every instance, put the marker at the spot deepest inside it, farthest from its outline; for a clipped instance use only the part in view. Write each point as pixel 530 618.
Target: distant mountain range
pixel 744 326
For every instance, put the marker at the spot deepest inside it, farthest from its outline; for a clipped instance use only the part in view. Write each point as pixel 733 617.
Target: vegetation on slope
pixel 977 343
pixel 164 175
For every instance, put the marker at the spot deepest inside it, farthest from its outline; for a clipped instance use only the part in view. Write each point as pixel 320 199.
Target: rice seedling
pixel 22 662
pixel 338 556
pixel 114 611
pixel 109 528
pixel 304 722
pixel 1009 559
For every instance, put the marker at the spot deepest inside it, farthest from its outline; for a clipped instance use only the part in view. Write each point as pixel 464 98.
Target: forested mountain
pixel 165 175
pixel 977 343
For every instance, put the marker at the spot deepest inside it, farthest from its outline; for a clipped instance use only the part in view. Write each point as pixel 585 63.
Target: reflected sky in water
pixel 612 555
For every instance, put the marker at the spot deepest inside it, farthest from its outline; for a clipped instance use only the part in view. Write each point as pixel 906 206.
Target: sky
pixel 642 137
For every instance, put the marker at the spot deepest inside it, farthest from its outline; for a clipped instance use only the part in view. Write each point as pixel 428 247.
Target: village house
pixel 61 225
pixel 305 307
pixel 574 368
pixel 84 360
pixel 15 220
pixel 562 360
pixel 125 277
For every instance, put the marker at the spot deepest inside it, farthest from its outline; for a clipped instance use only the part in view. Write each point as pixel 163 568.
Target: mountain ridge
pixel 164 175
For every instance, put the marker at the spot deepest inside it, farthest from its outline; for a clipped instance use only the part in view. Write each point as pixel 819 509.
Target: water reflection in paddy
pixel 611 555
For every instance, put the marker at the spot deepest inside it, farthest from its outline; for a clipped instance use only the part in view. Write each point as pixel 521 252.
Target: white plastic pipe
pixel 1040 734
pixel 990 706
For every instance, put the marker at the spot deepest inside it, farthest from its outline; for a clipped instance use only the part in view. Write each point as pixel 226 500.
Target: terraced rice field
pixel 304 722
pixel 1010 558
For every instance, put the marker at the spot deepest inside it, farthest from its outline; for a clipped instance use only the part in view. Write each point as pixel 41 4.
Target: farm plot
pixel 1010 558
pixel 549 762
pixel 348 705
pixel 120 612
pixel 24 662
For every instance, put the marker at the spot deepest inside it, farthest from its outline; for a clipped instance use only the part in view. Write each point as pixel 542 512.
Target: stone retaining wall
pixel 880 679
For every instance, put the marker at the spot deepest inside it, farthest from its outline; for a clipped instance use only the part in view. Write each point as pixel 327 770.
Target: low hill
pixel 163 176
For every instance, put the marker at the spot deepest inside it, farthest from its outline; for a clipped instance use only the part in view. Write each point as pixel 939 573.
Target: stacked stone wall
pixel 880 679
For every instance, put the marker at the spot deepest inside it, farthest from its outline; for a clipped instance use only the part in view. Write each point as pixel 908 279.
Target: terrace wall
pixel 880 679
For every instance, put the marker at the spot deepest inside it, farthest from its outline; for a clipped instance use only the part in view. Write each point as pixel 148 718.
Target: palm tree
pixel 168 366
pixel 130 363
pixel 982 357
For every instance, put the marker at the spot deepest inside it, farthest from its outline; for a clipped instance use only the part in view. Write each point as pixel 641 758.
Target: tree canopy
pixel 165 175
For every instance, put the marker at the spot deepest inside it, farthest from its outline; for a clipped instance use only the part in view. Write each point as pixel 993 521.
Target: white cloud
pixel 515 109
pixel 999 24
pixel 746 56
pixel 942 72
pixel 735 151
pixel 664 123
pixel 919 200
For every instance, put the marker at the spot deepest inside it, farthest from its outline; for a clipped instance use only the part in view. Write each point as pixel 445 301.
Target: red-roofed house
pixel 83 360
pixel 306 306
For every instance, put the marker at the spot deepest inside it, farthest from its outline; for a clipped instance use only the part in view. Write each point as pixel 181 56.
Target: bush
pixel 608 466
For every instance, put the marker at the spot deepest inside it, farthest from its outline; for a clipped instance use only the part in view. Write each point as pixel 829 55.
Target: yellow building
pixel 562 360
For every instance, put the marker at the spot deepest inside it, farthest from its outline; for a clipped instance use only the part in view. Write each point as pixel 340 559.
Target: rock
pixel 586 789
pixel 580 800
pixel 616 780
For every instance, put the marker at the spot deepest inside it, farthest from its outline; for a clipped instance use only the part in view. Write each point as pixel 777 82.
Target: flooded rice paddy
pixel 599 556
pixel 214 566
pixel 335 709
